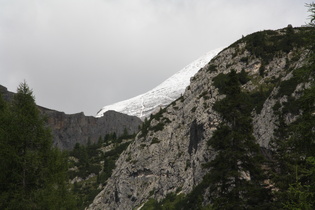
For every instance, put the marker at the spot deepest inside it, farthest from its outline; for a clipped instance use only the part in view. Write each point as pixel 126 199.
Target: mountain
pixel 274 75
pixel 69 129
pixel 162 95
pixel 7 95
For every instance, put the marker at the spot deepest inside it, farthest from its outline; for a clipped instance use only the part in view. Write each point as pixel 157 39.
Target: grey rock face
pixel 7 95
pixel 170 159
pixel 68 129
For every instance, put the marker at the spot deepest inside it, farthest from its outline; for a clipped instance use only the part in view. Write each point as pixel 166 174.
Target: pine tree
pixel 293 153
pixel 7 157
pixel 311 9
pixel 36 171
pixel 236 178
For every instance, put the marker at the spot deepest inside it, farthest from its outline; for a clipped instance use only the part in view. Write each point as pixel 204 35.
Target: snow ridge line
pixel 163 94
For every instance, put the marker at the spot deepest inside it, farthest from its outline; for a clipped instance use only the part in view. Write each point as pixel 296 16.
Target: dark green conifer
pixel 236 178
pixel 293 154
pixel 34 172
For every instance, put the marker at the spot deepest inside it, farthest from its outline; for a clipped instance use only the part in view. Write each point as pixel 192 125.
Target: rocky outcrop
pixel 169 159
pixel 7 95
pixel 169 155
pixel 69 129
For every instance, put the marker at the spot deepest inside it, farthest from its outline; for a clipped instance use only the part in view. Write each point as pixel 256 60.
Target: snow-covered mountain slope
pixel 162 95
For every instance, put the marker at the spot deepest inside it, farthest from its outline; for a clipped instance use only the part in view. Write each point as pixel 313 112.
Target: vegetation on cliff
pixel 90 166
pixel 239 176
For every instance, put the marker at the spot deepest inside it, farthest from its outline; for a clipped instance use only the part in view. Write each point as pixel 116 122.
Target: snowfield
pixel 162 95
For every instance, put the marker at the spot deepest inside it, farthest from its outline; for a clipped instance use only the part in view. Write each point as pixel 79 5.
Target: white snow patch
pixel 162 95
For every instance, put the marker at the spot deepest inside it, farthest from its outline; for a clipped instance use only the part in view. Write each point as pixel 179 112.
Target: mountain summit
pixel 242 130
pixel 162 95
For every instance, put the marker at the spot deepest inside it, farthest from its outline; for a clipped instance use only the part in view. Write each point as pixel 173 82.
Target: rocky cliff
pixel 69 129
pixel 168 154
pixel 7 95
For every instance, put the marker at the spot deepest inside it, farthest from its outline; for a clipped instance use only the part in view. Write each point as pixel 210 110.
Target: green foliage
pixel 258 98
pixel 262 70
pixel 276 107
pixel 110 137
pixel 158 127
pixel 88 162
pixel 244 60
pixel 194 199
pixel 220 82
pixel 266 44
pixel 253 100
pixel 293 147
pixel 288 86
pixel 188 164
pixel 33 173
pixel 212 68
pixel 236 147
pixel 311 9
pixel 155 140
pixel 170 202
pixel 299 197
pixel 243 77
pixel 151 204
pixel 204 95
pixel 237 153
pixel 145 127
pixel 88 158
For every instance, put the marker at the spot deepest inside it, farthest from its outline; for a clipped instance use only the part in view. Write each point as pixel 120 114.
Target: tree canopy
pixel 311 9
pixel 33 173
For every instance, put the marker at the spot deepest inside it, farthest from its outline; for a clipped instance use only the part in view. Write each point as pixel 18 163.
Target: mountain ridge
pixel 70 129
pixel 168 155
pixel 160 96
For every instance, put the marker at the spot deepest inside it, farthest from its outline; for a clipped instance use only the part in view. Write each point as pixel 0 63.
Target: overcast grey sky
pixel 80 55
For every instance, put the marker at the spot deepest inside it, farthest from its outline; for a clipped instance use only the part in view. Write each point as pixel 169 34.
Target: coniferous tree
pixel 34 172
pixel 7 157
pixel 236 177
pixel 294 155
pixel 311 9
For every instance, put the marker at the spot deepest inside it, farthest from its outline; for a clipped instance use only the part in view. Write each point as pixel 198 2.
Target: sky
pixel 80 55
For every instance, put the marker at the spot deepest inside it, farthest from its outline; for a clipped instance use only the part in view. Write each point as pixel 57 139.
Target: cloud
pixel 80 55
